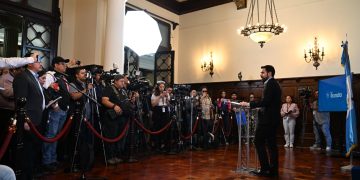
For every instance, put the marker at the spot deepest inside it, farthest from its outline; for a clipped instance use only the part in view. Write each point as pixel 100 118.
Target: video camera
pixel 305 92
pixel 108 76
pixel 139 84
pixel 181 90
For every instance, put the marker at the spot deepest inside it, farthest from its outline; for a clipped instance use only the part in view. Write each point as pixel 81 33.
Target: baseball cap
pixel 58 59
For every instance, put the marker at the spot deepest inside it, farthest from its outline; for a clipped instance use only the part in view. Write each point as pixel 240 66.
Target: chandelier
pixel 208 66
pixel 262 33
pixel 314 54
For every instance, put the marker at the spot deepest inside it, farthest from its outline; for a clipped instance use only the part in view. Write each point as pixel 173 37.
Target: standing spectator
pixel 26 85
pixel 289 113
pixel 7 101
pixel 207 124
pixel 57 113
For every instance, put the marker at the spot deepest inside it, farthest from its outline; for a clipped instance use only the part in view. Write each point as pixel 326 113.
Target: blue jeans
pixel 325 128
pixel 6 173
pixel 55 124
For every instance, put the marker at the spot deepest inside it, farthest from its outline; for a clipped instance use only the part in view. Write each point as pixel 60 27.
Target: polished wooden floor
pixel 221 163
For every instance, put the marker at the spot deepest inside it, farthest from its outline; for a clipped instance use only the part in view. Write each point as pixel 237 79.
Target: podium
pixel 247 157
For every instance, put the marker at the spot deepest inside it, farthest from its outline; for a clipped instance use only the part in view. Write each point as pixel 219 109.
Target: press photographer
pixel 117 108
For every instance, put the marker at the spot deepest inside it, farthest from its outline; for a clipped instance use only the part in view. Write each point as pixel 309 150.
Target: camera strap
pixel 116 92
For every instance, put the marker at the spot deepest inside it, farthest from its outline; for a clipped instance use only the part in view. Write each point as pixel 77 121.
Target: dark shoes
pixel 265 173
pixel 50 167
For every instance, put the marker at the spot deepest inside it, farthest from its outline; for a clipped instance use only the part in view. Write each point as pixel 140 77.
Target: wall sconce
pixel 240 76
pixel 314 54
pixel 208 66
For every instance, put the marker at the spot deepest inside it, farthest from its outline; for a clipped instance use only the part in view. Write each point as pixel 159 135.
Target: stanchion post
pixel 239 167
pixel 132 142
pixel 19 148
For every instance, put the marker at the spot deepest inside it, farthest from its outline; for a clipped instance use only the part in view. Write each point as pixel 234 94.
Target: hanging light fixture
pixel 262 33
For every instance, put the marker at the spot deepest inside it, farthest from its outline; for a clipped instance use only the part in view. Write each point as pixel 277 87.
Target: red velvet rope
pixel 193 130
pixel 116 139
pixel 155 132
pixel 6 142
pixel 50 140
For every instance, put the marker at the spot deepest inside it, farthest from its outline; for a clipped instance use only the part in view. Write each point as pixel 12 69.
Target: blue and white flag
pixel 351 131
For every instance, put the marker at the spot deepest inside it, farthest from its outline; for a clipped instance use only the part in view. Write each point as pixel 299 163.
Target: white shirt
pixel 163 101
pixel 15 62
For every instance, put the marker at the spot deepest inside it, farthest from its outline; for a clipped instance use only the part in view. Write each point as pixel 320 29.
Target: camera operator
pixel 160 103
pixel 86 138
pixel 321 122
pixel 114 117
pixel 99 84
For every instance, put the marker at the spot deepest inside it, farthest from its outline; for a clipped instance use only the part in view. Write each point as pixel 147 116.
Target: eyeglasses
pixel 204 91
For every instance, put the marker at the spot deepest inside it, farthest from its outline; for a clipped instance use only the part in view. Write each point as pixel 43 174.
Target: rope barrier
pixel 153 132
pixel 192 131
pixel 7 140
pixel 49 140
pixel 122 134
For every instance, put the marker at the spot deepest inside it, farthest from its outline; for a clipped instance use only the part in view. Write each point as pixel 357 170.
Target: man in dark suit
pixel 269 120
pixel 26 85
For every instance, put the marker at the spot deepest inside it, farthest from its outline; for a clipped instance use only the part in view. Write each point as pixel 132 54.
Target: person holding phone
pixel 289 112
pixel 160 103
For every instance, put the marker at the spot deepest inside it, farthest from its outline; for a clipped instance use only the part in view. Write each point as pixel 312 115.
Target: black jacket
pixel 26 85
pixel 64 102
pixel 270 104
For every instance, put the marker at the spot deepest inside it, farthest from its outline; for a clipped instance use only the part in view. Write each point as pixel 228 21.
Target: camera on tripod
pixel 305 92
pixel 180 91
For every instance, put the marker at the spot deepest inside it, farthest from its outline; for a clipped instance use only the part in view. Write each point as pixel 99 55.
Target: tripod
pixel 305 101
pixel 141 137
pixel 175 130
pixel 93 93
pixel 86 145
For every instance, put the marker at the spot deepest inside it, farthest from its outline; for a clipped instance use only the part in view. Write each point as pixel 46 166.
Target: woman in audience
pixel 289 112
